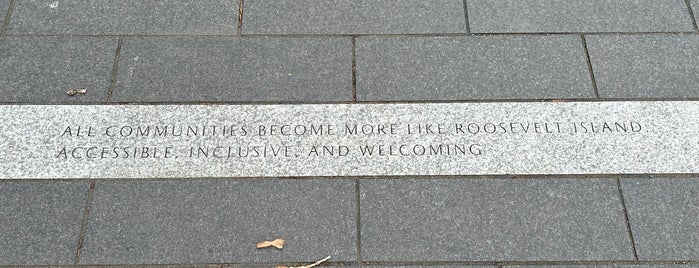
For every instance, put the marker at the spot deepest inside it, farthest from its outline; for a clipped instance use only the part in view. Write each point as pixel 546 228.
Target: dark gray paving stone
pixel 220 221
pixel 645 66
pixel 507 16
pixel 40 221
pixel 612 266
pixel 664 217
pixel 4 6
pixel 476 67
pixel 469 266
pixel 353 16
pixel 42 69
pixel 492 220
pixel 125 17
pixel 235 69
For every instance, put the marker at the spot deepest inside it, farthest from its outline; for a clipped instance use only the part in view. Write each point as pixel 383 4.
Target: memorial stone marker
pixel 176 141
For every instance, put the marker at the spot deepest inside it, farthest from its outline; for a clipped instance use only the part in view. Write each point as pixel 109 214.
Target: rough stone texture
pixel 481 67
pixel 42 69
pixel 645 66
pixel 220 221
pixel 4 6
pixel 695 9
pixel 477 138
pixel 492 220
pixel 611 266
pixel 353 16
pixel 664 217
pixel 125 17
pixel 40 222
pixel 234 69
pixel 507 16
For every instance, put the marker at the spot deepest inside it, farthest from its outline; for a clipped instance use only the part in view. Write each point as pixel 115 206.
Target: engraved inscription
pixel 144 141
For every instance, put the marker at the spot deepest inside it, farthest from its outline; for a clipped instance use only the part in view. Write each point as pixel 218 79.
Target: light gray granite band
pixel 176 141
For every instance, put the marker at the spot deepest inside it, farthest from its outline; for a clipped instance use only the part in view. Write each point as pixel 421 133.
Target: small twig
pixel 308 266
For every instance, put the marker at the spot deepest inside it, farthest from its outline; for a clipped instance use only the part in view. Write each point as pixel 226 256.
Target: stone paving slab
pixel 469 266
pixel 203 141
pixel 42 69
pixel 664 217
pixel 40 221
pixel 353 16
pixel 220 221
pixel 234 69
pixel 479 67
pixel 530 16
pixel 645 66
pixel 492 220
pixel 4 6
pixel 546 266
pixel 613 266
pixel 97 17
pixel 695 9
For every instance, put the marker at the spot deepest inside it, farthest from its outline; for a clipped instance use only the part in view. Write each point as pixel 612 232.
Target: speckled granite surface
pixel 202 141
pixel 582 199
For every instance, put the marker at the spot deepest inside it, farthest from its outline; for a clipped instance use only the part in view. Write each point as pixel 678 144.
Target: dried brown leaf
pixel 77 91
pixel 277 243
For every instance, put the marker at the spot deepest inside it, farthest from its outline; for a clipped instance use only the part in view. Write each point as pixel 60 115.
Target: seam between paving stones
pixel 8 17
pixel 589 66
pixel 468 24
pixel 389 264
pixel 83 225
pixel 353 35
pixel 354 69
pixel 241 6
pixel 245 103
pixel 691 15
pixel 529 263
pixel 115 67
pixel 462 34
pixel 192 265
pixel 626 219
pixel 358 203
pixel 588 33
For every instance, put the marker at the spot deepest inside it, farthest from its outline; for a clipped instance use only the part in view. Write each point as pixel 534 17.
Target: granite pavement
pixel 235 52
